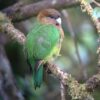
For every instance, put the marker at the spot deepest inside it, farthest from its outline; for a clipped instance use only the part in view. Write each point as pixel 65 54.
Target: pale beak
pixel 58 20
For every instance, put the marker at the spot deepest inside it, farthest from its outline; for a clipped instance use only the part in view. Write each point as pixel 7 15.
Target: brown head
pixel 50 16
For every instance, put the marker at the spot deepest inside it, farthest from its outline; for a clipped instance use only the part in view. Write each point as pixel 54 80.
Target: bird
pixel 43 42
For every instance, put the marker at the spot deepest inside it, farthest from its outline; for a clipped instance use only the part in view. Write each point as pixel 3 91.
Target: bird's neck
pixel 59 27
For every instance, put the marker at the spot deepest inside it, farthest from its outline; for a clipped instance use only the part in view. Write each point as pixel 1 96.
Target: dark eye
pixel 54 17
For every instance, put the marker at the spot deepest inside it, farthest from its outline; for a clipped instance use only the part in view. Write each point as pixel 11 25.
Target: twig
pixel 98 4
pixel 62 91
pixel 23 12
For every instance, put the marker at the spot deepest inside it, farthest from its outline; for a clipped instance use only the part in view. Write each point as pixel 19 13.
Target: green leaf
pixel 96 12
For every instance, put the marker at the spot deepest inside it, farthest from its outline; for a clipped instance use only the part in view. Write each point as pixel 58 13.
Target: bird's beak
pixel 58 20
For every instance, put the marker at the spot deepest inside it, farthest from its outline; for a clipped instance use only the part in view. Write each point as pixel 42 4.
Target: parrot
pixel 43 42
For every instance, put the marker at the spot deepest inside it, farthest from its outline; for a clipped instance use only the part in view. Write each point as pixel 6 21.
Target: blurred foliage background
pixel 86 39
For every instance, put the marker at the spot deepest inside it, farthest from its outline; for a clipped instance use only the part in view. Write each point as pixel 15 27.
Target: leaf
pixel 96 12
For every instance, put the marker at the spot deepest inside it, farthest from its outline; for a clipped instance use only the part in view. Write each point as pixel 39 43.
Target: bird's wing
pixel 43 41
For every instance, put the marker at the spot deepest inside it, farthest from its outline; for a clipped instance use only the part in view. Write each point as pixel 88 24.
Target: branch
pixel 89 9
pixel 75 90
pixel 93 82
pixel 14 33
pixel 97 3
pixel 62 91
pixel 8 28
pixel 19 12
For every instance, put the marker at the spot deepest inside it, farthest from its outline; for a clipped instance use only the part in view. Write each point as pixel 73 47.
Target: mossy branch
pixel 20 12
pixel 7 27
pixel 86 6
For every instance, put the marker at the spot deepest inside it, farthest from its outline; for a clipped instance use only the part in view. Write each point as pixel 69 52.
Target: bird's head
pixel 50 16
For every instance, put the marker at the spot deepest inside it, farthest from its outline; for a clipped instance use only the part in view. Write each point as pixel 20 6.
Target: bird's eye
pixel 52 17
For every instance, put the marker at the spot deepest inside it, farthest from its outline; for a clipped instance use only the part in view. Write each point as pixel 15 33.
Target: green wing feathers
pixel 41 42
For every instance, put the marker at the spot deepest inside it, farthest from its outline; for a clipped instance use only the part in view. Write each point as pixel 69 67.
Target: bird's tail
pixel 38 76
pixel 37 69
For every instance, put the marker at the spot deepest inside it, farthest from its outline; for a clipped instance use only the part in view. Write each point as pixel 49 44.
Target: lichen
pixel 76 90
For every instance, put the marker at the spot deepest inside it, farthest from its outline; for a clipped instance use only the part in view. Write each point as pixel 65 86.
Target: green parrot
pixel 43 42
